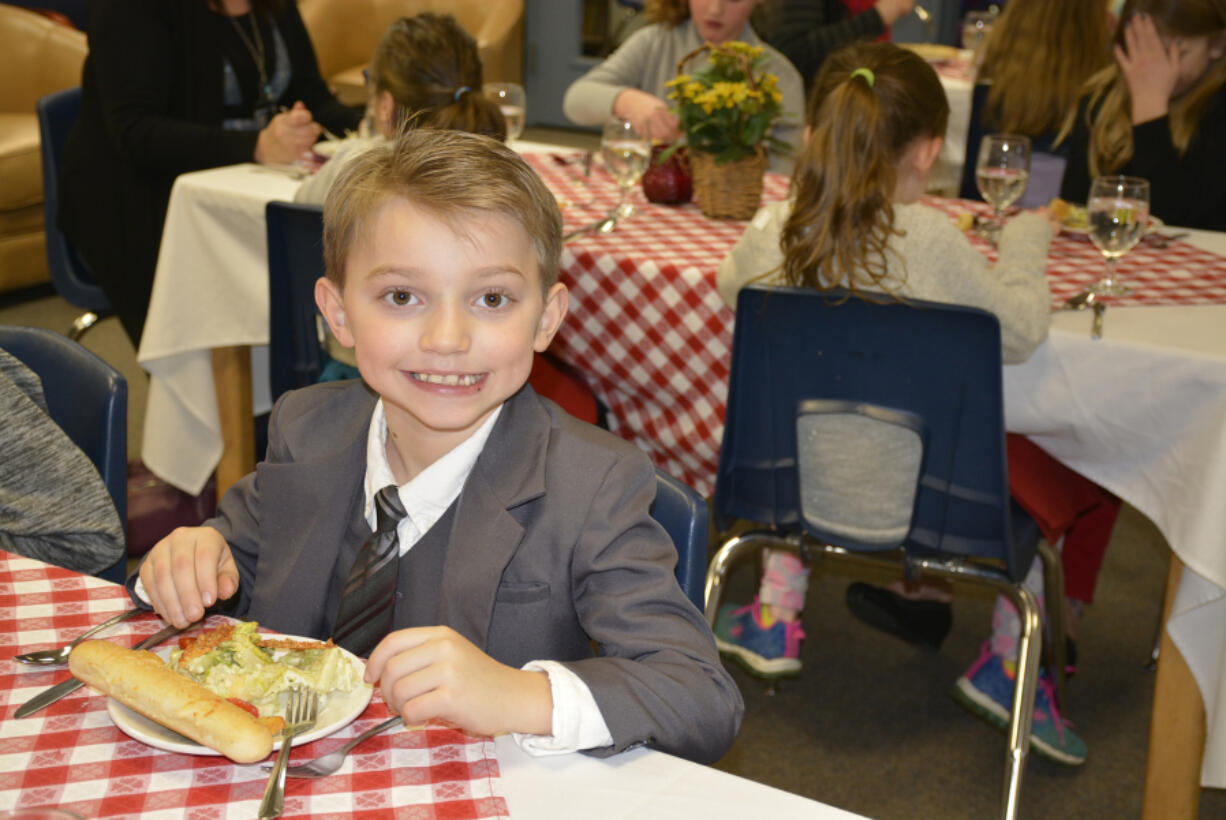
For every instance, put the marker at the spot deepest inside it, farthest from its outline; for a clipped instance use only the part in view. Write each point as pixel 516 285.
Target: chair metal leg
pixel 731 551
pixel 1053 586
pixel 81 324
pixel 1029 649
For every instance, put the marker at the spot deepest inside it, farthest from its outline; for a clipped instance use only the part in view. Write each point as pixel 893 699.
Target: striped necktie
pixel 369 598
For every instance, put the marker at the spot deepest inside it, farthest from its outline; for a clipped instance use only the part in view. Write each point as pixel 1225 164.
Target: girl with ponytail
pixel 1159 112
pixel 425 73
pixel 875 122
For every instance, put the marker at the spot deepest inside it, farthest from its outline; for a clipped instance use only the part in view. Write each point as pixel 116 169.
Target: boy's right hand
pixel 187 571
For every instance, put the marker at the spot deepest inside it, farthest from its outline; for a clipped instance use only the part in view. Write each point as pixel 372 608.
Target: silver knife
pixel 65 687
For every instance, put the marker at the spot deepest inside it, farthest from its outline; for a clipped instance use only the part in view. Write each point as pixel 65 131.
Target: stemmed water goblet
pixel 626 153
pixel 1118 213
pixel 1002 172
pixel 513 102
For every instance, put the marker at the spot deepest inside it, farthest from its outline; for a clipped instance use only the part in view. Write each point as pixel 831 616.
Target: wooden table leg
pixel 232 377
pixel 1176 729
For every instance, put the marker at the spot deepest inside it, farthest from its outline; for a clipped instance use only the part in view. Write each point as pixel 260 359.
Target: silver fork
pixel 300 715
pixel 330 763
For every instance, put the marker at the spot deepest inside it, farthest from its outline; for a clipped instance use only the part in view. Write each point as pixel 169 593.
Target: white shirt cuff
pixel 577 721
pixel 138 589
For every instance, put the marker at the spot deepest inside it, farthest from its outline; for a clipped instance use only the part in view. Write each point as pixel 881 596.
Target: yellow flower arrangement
pixel 727 109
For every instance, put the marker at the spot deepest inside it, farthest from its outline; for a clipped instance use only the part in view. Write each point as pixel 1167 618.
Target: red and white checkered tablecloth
pixel 649 331
pixel 1180 274
pixel 70 755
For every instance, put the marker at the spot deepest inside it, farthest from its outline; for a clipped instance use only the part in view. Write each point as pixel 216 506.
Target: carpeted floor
pixel 870 727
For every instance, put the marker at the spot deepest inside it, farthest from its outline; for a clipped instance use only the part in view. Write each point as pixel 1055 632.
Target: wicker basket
pixel 731 191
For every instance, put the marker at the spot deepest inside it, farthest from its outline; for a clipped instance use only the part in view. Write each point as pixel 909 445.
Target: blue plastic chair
pixel 71 276
pixel 295 262
pixel 683 513
pixel 88 399
pixel 926 379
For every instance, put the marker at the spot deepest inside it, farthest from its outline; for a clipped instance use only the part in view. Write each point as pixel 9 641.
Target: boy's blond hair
pixel 450 174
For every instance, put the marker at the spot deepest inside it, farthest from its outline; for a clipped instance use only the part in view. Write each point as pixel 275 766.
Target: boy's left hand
pixel 435 673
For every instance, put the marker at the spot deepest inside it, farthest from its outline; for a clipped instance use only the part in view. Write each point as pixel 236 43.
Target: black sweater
pixel 151 109
pixel 807 31
pixel 1189 191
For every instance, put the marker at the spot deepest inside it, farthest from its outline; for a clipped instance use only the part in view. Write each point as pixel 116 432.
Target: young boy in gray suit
pixel 521 536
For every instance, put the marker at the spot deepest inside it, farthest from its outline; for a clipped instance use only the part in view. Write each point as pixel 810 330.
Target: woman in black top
pixel 807 31
pixel 1160 112
pixel 172 86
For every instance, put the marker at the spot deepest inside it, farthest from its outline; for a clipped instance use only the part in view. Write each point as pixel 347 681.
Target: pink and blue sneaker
pixel 768 652
pixel 986 689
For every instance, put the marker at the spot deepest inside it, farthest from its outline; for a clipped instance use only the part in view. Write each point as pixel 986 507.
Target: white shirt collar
pixel 428 495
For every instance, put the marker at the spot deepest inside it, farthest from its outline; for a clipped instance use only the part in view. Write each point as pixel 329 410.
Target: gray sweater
pixel 932 260
pixel 648 60
pixel 53 504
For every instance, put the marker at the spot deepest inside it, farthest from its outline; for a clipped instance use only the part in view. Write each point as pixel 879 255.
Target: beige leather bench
pixel 345 33
pixel 37 56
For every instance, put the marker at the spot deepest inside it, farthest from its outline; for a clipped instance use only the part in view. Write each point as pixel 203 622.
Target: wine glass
pixel 513 102
pixel 1118 212
pixel 975 27
pixel 626 153
pixel 1001 174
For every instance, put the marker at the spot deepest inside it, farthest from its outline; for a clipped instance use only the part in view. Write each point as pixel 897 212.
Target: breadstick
pixel 142 681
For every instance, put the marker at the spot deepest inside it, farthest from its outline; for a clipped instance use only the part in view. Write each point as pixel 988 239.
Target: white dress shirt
pixel 577 721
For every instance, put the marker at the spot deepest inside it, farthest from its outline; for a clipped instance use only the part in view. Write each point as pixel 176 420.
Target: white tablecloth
pixel 210 290
pixel 946 178
pixel 1142 411
pixel 640 784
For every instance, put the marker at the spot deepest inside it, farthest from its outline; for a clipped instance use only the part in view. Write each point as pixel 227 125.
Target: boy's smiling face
pixel 443 324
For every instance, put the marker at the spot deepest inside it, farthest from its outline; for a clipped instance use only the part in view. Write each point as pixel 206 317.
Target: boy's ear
pixel 328 298
pixel 557 301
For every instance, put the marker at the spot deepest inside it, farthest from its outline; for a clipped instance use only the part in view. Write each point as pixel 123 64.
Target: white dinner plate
pixel 1155 224
pixel 338 712
pixel 327 148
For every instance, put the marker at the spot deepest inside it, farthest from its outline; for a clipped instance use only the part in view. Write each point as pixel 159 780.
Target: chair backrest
pixel 72 278
pixel 932 371
pixel 295 262
pixel 88 399
pixel 683 513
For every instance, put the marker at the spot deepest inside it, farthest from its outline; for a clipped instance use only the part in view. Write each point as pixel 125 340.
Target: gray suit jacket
pixel 552 550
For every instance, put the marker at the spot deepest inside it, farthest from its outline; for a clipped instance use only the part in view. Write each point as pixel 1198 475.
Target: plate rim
pixel 1155 224
pixel 128 720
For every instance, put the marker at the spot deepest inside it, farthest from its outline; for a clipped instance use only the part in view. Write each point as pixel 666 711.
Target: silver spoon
pixel 1081 301
pixel 330 763
pixel 51 657
pixel 605 225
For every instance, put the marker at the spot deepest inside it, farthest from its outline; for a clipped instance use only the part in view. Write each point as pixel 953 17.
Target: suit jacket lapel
pixel 509 472
pixel 309 510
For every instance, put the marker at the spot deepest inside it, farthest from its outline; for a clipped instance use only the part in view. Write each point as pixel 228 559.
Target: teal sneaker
pixel 986 689
pixel 768 652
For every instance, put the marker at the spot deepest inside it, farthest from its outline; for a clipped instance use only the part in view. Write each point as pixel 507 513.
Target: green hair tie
pixel 866 74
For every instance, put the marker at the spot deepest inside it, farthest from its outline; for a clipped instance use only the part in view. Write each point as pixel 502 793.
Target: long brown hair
pixel 843 184
pixel 1109 106
pixel 430 66
pixel 1038 57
